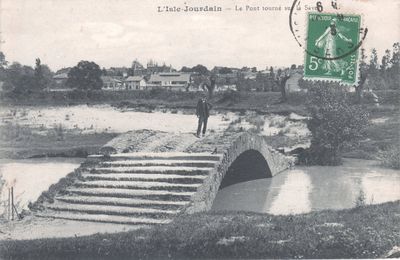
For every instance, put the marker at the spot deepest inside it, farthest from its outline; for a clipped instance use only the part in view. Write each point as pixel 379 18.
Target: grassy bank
pixel 160 98
pixel 364 232
pixel 382 135
pixel 19 142
pixel 176 99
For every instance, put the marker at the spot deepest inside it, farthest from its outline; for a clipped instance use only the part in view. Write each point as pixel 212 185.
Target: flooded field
pixel 306 189
pixel 105 118
pixel 31 177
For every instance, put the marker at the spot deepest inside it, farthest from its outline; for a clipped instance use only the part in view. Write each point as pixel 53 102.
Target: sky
pixel 113 33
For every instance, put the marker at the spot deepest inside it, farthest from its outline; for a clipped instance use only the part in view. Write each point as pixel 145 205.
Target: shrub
pixel 334 123
pixel 11 131
pixel 391 157
pixel 59 132
pixel 230 96
pixel 361 200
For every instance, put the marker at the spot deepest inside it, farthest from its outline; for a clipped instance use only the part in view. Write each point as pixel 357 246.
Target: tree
pixel 211 87
pixel 42 76
pixel 393 73
pixel 364 69
pixel 373 63
pixel 3 62
pixel 385 61
pixel 19 79
pixel 85 76
pixel 202 70
pixel 395 60
pixel 280 80
pixel 271 72
pixel 208 84
pixel 334 123
pixel 186 69
pixel 225 70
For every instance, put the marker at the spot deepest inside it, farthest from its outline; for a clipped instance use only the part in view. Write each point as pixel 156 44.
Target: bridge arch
pixel 154 187
pixel 249 165
pixel 246 157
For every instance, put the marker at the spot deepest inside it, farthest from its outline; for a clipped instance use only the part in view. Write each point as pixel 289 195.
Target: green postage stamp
pixel 332 47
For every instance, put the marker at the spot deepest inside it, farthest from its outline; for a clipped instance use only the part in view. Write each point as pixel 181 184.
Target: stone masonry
pixel 146 177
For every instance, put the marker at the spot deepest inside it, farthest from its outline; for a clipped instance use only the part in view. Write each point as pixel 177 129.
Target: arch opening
pixel 249 165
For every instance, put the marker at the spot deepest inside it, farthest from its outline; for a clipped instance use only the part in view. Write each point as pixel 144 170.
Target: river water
pixel 306 189
pixel 295 191
pixel 30 177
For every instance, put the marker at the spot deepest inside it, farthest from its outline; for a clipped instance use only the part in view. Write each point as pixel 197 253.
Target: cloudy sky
pixel 115 32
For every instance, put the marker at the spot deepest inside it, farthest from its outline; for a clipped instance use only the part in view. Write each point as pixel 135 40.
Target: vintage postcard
pixel 199 129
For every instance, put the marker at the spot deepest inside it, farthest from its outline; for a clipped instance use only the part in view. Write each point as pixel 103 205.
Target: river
pixel 306 189
pixel 295 191
pixel 30 177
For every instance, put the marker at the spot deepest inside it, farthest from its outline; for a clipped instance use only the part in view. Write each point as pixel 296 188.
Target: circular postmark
pixel 328 30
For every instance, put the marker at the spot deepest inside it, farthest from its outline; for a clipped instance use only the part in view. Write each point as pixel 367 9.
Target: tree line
pixel 375 73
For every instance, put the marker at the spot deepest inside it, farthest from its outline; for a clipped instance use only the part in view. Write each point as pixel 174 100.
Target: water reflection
pixel 306 189
pixel 31 177
pixel 293 195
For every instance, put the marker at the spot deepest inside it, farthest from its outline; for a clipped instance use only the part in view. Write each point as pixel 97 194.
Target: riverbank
pixel 142 100
pixel 20 141
pixel 363 232
pixel 382 134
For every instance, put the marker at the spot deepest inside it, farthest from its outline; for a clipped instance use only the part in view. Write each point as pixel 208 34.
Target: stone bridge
pixel 146 177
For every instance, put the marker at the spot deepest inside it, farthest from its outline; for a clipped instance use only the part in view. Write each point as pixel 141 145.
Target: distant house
pixel 266 73
pixel 135 82
pixel 228 79
pixel 117 72
pixel 112 83
pixel 195 88
pixel 292 84
pixel 61 78
pixel 154 68
pixel 176 81
pixel 221 88
pixel 249 75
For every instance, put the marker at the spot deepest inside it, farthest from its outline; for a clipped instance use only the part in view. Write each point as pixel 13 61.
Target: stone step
pixel 159 156
pixel 170 178
pixel 163 204
pixel 138 185
pixel 141 222
pixel 112 210
pixel 131 193
pixel 161 162
pixel 154 169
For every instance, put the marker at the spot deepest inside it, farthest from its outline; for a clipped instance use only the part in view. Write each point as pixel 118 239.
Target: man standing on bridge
pixel 203 112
